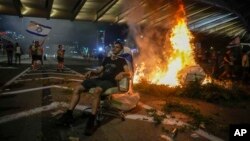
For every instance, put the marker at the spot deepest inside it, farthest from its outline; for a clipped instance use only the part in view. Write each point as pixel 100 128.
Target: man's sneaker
pixel 90 127
pixel 66 119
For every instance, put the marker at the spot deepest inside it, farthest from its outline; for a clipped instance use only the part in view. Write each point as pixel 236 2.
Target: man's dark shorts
pixel 60 59
pixel 39 57
pixel 34 57
pixel 96 82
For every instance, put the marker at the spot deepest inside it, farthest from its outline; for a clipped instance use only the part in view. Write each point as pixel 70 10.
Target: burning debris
pixel 174 64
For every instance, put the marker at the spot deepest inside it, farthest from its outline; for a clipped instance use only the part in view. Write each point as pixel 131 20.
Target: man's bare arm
pixel 41 44
pixel 125 73
pixel 97 71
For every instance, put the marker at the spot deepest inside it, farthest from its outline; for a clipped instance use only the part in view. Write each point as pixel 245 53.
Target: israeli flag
pixel 38 29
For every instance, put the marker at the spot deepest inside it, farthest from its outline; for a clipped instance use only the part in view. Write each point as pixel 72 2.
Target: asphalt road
pixel 31 101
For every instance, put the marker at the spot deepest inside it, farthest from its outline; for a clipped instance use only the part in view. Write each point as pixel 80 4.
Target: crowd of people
pixel 12 50
pixel 114 67
pixel 229 66
pixel 224 66
pixel 35 52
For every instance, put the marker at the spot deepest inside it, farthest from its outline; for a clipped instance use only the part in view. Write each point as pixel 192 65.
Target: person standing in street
pixel 10 51
pixel 39 51
pixel 32 53
pixel 36 51
pixel 18 53
pixel 60 58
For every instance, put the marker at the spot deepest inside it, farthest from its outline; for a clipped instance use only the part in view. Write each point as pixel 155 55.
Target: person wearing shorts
pixel 60 58
pixel 32 54
pixel 113 69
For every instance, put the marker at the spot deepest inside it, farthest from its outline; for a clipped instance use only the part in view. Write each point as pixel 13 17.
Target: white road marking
pixel 35 89
pixel 78 107
pixel 7 118
pixel 166 138
pixel 11 117
pixel 90 69
pixel 62 87
pixel 57 113
pixel 43 78
pixel 17 80
pixel 207 135
pixel 13 79
pixel 52 70
pixel 7 67
pixel 77 73
pixel 52 74
pixel 54 105
pixel 28 69
pixel 37 110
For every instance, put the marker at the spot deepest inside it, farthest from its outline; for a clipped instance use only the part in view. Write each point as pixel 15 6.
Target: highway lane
pixel 31 102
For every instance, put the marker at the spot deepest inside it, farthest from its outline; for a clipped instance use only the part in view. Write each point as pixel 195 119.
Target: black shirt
pixel 112 68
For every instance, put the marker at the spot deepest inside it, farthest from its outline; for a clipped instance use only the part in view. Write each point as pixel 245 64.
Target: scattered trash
pixel 158 116
pixel 166 138
pixel 194 135
pixel 174 132
pixel 202 125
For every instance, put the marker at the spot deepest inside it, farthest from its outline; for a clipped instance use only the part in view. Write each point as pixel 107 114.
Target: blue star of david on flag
pixel 38 29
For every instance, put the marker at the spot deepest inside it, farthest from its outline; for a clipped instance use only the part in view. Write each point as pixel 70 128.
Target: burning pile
pixel 179 66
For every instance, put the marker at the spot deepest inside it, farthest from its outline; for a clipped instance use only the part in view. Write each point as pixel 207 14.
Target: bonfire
pixel 181 66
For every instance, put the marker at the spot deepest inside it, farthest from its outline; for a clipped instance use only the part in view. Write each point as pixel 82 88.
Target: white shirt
pixel 18 49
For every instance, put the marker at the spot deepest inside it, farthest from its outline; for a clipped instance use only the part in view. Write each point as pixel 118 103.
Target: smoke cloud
pixel 150 31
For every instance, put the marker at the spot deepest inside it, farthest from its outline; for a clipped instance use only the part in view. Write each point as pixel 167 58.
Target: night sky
pixel 64 32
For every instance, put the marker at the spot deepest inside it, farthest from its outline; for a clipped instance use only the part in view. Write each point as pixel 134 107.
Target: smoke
pixel 152 36
pixel 63 32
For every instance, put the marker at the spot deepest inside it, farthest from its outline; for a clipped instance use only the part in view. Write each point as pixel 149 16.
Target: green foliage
pixel 210 92
pixel 192 89
pixel 215 93
pixel 156 90
pixel 158 118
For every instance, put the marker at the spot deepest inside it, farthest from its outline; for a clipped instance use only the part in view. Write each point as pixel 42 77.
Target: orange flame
pixel 180 57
